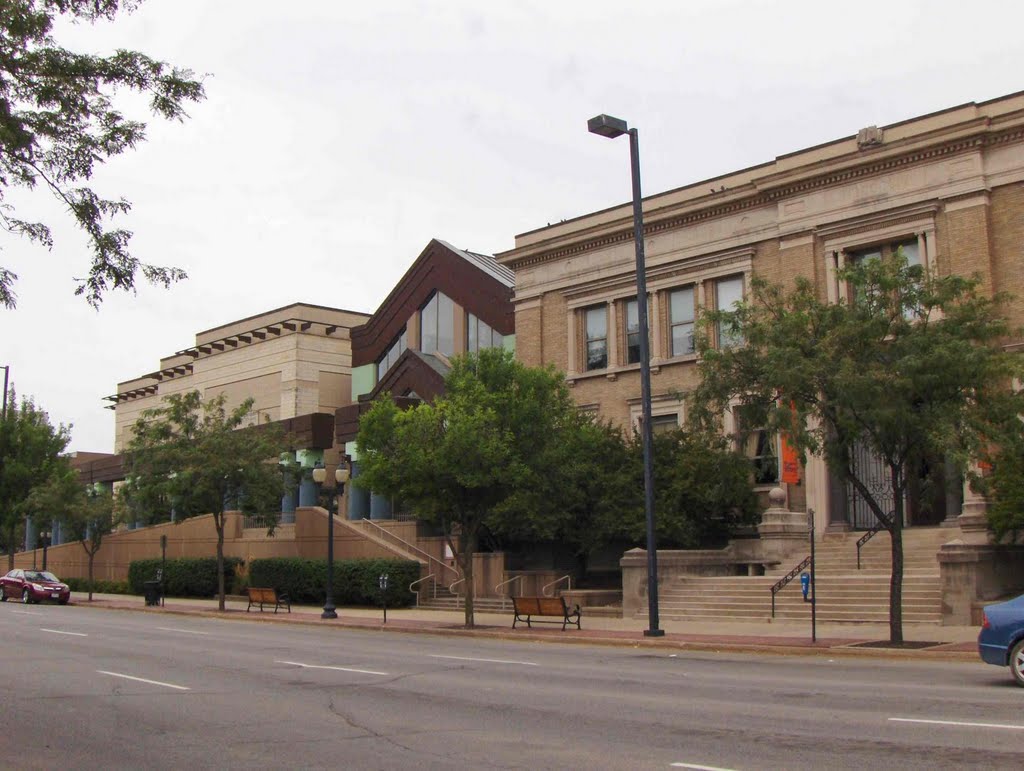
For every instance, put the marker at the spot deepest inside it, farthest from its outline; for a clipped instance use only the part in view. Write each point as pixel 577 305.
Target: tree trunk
pixel 218 522
pixel 92 555
pixel 469 542
pixel 896 579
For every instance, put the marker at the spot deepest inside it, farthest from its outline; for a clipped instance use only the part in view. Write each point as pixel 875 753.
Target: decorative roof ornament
pixel 869 137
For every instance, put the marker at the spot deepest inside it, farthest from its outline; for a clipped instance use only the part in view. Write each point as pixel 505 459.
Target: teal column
pixel 380 507
pixel 358 497
pixel 31 534
pixel 288 501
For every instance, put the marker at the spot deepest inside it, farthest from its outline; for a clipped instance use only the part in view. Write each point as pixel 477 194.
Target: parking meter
pixel 382 582
pixel 805 584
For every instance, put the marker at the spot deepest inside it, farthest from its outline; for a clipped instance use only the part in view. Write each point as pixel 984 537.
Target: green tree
pixel 197 455
pixel 30 457
pixel 86 514
pixel 703 491
pixel 911 369
pixel 476 456
pixel 58 121
pixel 1005 487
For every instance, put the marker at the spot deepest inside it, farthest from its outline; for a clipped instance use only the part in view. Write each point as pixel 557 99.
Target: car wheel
pixel 25 599
pixel 1017 662
pixel 3 594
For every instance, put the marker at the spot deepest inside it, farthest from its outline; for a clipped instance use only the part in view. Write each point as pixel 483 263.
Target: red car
pixel 33 586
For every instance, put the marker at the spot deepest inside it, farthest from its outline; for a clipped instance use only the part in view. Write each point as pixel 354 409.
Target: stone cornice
pixel 771 188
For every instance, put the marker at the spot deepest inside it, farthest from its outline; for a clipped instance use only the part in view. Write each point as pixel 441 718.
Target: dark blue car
pixel 1001 641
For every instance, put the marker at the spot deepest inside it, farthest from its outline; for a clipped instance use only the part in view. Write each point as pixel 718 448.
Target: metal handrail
pixel 497 589
pixel 782 582
pixel 867 537
pixel 431 560
pixel 503 583
pixel 568 585
pixel 417 591
pixel 451 587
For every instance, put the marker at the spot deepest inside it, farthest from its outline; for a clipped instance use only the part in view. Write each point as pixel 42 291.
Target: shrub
pixel 184 576
pixel 355 581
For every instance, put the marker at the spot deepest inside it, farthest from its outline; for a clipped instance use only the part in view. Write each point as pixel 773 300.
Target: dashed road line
pixel 26 612
pixel 143 680
pixel 337 669
pixel 697 767
pixel 485 661
pixel 957 723
pixel 183 631
pixel 58 631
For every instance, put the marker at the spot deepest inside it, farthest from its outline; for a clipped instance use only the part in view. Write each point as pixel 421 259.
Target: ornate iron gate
pixel 870 469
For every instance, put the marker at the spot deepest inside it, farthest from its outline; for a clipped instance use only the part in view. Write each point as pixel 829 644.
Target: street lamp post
pixel 341 475
pixel 609 127
pixel 44 539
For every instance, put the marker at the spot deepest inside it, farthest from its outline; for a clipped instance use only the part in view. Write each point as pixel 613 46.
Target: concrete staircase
pixel 844 593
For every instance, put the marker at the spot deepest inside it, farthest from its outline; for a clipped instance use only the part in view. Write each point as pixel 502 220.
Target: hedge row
pixel 355 581
pixel 184 576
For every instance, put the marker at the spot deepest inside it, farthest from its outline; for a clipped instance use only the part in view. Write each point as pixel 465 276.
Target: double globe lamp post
pixel 610 128
pixel 341 475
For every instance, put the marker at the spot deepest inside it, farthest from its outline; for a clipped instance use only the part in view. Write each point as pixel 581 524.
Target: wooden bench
pixel 527 607
pixel 260 596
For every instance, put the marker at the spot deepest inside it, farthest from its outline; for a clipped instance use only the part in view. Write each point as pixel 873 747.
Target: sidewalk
pixel 924 642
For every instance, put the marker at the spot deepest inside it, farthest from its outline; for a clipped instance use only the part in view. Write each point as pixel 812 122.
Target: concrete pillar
pixel 783 532
pixel 973 519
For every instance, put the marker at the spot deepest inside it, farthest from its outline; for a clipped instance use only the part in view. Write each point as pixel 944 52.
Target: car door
pixel 14 582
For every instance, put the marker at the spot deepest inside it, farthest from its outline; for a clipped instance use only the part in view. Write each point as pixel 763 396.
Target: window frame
pixel 673 323
pixel 588 340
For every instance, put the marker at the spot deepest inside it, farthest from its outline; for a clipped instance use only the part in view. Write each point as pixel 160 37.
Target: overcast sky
pixel 338 138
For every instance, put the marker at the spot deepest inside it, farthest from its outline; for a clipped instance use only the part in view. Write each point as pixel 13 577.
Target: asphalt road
pixel 87 688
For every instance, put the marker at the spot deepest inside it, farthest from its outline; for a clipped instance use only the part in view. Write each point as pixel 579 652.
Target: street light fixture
pixel 610 128
pixel 341 474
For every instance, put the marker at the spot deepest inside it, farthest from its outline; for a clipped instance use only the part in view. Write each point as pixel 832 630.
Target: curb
pixel 845 649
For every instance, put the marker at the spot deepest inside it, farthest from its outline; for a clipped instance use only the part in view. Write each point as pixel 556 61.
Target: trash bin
pixel 152 592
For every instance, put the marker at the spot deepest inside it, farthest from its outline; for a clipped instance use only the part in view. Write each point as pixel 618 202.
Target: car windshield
pixel 40 575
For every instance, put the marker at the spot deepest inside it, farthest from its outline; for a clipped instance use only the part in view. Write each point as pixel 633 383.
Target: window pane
pixel 728 293
pixel 681 305
pixel 597 323
pixel 483 336
pixel 663 424
pixel 471 325
pixel 428 326
pixel 597 354
pixel 682 339
pixel 497 340
pixel 910 251
pixel 445 325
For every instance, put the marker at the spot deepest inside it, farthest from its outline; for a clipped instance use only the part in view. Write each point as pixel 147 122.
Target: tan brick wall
pixel 1007 218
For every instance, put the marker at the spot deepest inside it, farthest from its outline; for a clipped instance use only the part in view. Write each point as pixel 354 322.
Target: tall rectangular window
pixel 428 326
pixel 759 446
pixel 480 335
pixel 681 311
pixel 387 361
pixel 437 325
pixel 728 294
pixel 597 337
pixel 632 332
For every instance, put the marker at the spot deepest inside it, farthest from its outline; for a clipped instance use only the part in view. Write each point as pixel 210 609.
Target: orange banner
pixel 790 463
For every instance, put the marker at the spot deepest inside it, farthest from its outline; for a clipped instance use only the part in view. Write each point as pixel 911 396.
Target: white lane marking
pixel 144 680
pixel 183 631
pixel 57 631
pixel 337 669
pixel 957 723
pixel 699 768
pixel 486 661
pixel 26 613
